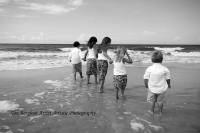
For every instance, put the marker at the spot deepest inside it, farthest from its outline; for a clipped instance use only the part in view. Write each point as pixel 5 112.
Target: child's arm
pixel 96 49
pixel 108 57
pixel 70 57
pixel 80 54
pixel 146 77
pixel 168 83
pixel 86 53
pixel 129 60
pixel 168 77
pixel 146 81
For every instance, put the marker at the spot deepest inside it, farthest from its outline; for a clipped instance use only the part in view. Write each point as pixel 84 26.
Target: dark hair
pixel 76 44
pixel 104 43
pixel 92 41
pixel 106 40
pixel 157 57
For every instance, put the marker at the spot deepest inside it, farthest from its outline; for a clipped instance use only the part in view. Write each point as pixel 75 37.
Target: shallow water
pixel 69 106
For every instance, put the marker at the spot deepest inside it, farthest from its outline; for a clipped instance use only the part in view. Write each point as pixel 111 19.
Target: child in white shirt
pixel 120 73
pixel 102 62
pixel 157 81
pixel 75 59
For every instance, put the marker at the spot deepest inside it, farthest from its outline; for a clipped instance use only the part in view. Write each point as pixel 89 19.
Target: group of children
pixel 156 77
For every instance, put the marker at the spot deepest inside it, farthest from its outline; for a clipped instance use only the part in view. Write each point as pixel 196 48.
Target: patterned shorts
pixel 102 69
pixel 120 81
pixel 77 67
pixel 91 67
pixel 152 96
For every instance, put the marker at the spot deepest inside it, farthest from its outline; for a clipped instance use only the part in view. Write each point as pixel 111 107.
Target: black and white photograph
pixel 99 66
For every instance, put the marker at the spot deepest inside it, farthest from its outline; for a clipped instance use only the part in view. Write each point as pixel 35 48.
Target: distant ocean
pixel 38 56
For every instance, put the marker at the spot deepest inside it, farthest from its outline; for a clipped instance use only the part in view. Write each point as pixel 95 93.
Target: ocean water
pixel 39 56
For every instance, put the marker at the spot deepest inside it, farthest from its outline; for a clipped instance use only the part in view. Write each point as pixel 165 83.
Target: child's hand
pixel 84 59
pixel 169 86
pixel 110 61
pixel 125 50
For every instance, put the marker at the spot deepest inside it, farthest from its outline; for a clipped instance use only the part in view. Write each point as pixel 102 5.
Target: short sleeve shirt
pixel 157 74
pixel 75 56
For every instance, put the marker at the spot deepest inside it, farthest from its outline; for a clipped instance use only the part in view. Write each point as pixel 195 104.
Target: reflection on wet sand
pixel 69 106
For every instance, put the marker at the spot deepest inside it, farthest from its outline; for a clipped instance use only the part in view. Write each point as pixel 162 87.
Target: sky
pixel 124 21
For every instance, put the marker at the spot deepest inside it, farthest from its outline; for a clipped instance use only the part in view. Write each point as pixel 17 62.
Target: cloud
pixel 22 16
pixel 75 2
pixel 83 37
pixel 21 38
pixel 37 37
pixel 19 0
pixel 47 8
pixel 1 10
pixel 177 38
pixel 4 1
pixel 149 33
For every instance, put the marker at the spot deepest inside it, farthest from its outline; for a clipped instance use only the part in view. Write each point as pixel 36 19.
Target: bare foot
pixel 150 112
pixel 123 97
pixel 160 114
pixel 101 91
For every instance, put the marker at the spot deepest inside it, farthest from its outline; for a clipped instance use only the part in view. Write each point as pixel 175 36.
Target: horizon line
pixel 111 43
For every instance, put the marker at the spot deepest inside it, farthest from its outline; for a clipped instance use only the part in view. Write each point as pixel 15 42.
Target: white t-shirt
pixel 101 56
pixel 91 54
pixel 119 68
pixel 75 56
pixel 157 74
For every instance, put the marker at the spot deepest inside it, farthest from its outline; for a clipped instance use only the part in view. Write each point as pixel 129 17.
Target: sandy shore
pixel 49 101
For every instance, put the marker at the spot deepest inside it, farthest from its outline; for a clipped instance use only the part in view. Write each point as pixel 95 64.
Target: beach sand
pixel 49 101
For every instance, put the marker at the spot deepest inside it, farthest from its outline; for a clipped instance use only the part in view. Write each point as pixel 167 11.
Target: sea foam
pixel 6 106
pixel 20 60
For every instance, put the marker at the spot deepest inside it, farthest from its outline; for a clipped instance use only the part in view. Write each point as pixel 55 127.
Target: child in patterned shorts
pixel 91 56
pixel 120 73
pixel 102 62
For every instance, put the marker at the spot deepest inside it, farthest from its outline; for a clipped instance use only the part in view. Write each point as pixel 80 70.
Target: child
pixel 91 55
pixel 120 73
pixel 75 59
pixel 102 61
pixel 157 80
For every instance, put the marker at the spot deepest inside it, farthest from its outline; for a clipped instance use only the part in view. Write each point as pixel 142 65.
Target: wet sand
pixel 49 101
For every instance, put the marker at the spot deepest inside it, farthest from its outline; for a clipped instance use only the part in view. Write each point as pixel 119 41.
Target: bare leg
pixel 101 86
pixel 81 75
pixel 74 75
pixel 98 78
pixel 153 106
pixel 160 107
pixel 153 103
pixel 122 91
pixel 88 79
pixel 95 76
pixel 117 91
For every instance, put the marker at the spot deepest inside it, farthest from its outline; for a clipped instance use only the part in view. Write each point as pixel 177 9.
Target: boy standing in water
pixel 75 59
pixel 157 81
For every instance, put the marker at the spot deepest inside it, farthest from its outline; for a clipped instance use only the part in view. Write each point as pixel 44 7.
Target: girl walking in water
pixel 120 73
pixel 103 61
pixel 91 55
